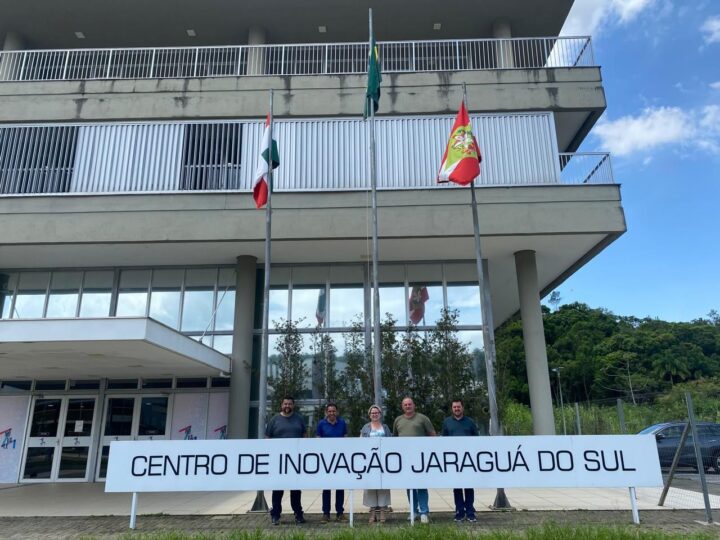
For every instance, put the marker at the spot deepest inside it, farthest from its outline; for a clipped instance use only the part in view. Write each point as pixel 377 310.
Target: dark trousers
pixel 464 502
pixel 295 503
pixel 339 501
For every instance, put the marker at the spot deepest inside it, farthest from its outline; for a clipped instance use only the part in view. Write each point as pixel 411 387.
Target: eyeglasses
pixel 375 412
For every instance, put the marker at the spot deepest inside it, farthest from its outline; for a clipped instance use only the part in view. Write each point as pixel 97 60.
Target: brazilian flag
pixel 372 94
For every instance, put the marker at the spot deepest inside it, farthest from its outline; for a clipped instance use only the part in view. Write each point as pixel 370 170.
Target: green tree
pixel 291 371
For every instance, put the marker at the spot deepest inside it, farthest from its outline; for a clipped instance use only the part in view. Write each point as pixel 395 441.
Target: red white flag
pixel 461 160
pixel 416 303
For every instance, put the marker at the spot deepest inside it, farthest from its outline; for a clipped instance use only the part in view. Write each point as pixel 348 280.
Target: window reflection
pixel 97 294
pixel 7 286
pixel 309 306
pixel 425 303
pixel 278 308
pixel 466 300
pixel 165 296
pixel 347 305
pixel 30 299
pixel 197 310
pixel 392 301
pixel 133 293
pixel 225 311
pixel 64 294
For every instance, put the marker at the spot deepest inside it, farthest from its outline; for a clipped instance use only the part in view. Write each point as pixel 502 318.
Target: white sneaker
pixel 424 518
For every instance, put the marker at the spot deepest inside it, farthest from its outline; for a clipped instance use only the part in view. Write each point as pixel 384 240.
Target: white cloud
pixel 658 127
pixel 711 29
pixel 588 16
pixel 715 85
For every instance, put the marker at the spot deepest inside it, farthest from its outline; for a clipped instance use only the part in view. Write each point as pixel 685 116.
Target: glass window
pixel 347 305
pixel 133 293
pixel 96 294
pixel 278 307
pixel 466 300
pixel 50 385
pixel 118 419
pixel 392 301
pixel 84 385
pixel 79 417
pixel 46 418
pixel 225 311
pixel 425 303
pixel 220 382
pixel 15 385
pixel 196 382
pixel 308 306
pixel 198 300
pixel 165 296
pixel 7 289
pixel 64 294
pixel 223 344
pixel 153 416
pixel 30 299
pixel 157 383
pixel 122 384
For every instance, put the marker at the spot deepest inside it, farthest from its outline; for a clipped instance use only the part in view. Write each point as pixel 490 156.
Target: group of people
pixel 289 424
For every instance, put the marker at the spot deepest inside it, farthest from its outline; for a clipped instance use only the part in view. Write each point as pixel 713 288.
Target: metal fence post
pixel 621 416
pixel 698 457
pixel 578 424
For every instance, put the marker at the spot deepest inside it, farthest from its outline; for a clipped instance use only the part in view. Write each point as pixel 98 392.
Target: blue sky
pixel 660 63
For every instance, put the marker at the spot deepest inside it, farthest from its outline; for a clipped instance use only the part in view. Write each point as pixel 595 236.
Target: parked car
pixel 668 436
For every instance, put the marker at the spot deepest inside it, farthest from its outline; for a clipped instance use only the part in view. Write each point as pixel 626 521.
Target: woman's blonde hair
pixel 378 407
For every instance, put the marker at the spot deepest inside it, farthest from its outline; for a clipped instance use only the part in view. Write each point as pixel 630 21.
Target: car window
pixel 672 431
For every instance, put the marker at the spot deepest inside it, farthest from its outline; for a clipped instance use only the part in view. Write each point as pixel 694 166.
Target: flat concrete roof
pixel 51 24
pixel 93 348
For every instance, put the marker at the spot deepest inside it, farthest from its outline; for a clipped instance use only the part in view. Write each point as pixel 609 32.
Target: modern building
pixel 130 248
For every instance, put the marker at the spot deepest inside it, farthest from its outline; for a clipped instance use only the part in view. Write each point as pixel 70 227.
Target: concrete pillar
pixel 504 51
pixel 10 64
pixel 242 349
pixel 256 55
pixel 534 341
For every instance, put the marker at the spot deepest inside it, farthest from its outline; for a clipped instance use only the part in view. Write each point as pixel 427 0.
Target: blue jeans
pixel 464 504
pixel 420 497
pixel 339 502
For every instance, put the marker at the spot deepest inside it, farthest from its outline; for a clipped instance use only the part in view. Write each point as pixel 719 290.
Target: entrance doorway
pixel 132 418
pixel 59 443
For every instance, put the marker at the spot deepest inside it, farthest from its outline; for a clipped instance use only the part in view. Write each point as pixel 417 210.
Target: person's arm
pixel 395 428
pixel 429 428
pixel 445 431
pixel 475 431
pixel 267 428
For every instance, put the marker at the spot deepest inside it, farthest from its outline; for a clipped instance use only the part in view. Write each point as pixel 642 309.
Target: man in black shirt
pixel 459 425
pixel 286 425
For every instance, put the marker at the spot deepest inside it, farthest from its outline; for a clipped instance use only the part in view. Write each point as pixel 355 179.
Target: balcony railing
pixel 297 59
pixel 316 155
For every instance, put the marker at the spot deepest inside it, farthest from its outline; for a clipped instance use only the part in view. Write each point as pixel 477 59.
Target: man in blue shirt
pixel 459 425
pixel 286 425
pixel 332 426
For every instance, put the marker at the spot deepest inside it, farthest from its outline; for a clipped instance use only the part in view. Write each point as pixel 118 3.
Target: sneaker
pixel 275 520
pixel 424 518
pixel 459 517
pixel 325 518
pixel 299 519
pixel 341 517
pixel 471 518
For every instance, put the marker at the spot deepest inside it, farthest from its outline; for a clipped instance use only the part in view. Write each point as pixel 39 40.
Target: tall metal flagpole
pixel 377 364
pixel 260 505
pixel 501 500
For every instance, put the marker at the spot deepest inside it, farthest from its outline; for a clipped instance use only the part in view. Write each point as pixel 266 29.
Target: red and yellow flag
pixel 461 161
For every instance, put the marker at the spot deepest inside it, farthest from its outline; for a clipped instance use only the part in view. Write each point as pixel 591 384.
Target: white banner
pixel 392 463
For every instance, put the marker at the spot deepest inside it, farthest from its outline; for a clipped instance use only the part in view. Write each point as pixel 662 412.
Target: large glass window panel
pixel 153 416
pixel 307 306
pixel 118 419
pixel 97 294
pixel 223 344
pixel 474 340
pixel 64 294
pixel 165 296
pixel 225 311
pixel 197 310
pixel 466 300
pixel 133 293
pixel 30 299
pixel 38 464
pixel 278 306
pixel 425 303
pixel 8 282
pixel 392 301
pixel 73 462
pixel 226 277
pixel 347 305
pixel 46 418
pixel 78 421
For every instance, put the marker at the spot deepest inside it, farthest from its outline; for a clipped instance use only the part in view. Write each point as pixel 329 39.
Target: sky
pixel 660 62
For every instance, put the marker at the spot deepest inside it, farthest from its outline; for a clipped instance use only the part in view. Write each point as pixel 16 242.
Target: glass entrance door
pixel 132 418
pixel 60 439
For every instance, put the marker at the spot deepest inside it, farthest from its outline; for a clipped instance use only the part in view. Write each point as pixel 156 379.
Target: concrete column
pixel 534 341
pixel 256 56
pixel 504 52
pixel 239 413
pixel 10 64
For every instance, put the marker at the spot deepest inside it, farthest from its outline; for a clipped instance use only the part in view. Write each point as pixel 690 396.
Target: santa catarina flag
pixel 416 303
pixel 461 161
pixel 260 189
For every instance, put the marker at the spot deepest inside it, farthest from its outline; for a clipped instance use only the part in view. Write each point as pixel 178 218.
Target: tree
pixel 554 300
pixel 290 368
pixel 355 386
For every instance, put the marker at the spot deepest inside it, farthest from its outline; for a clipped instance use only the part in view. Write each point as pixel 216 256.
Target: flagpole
pixel 377 364
pixel 260 505
pixel 501 500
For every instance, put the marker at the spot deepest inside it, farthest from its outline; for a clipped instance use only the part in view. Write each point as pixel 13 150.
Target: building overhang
pixel 102 348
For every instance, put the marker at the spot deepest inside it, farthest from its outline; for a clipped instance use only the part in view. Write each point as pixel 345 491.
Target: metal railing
pixel 517 148
pixel 294 59
pixel 586 168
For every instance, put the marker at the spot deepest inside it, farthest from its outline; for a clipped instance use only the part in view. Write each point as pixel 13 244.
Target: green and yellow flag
pixel 372 94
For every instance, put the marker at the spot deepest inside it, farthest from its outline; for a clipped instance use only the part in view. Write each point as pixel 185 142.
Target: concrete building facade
pixel 131 251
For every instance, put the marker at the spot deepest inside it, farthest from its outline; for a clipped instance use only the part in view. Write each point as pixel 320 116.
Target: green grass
pixel 544 532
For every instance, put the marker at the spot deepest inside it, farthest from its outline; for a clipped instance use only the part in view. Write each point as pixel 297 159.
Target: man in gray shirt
pixel 286 425
pixel 459 425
